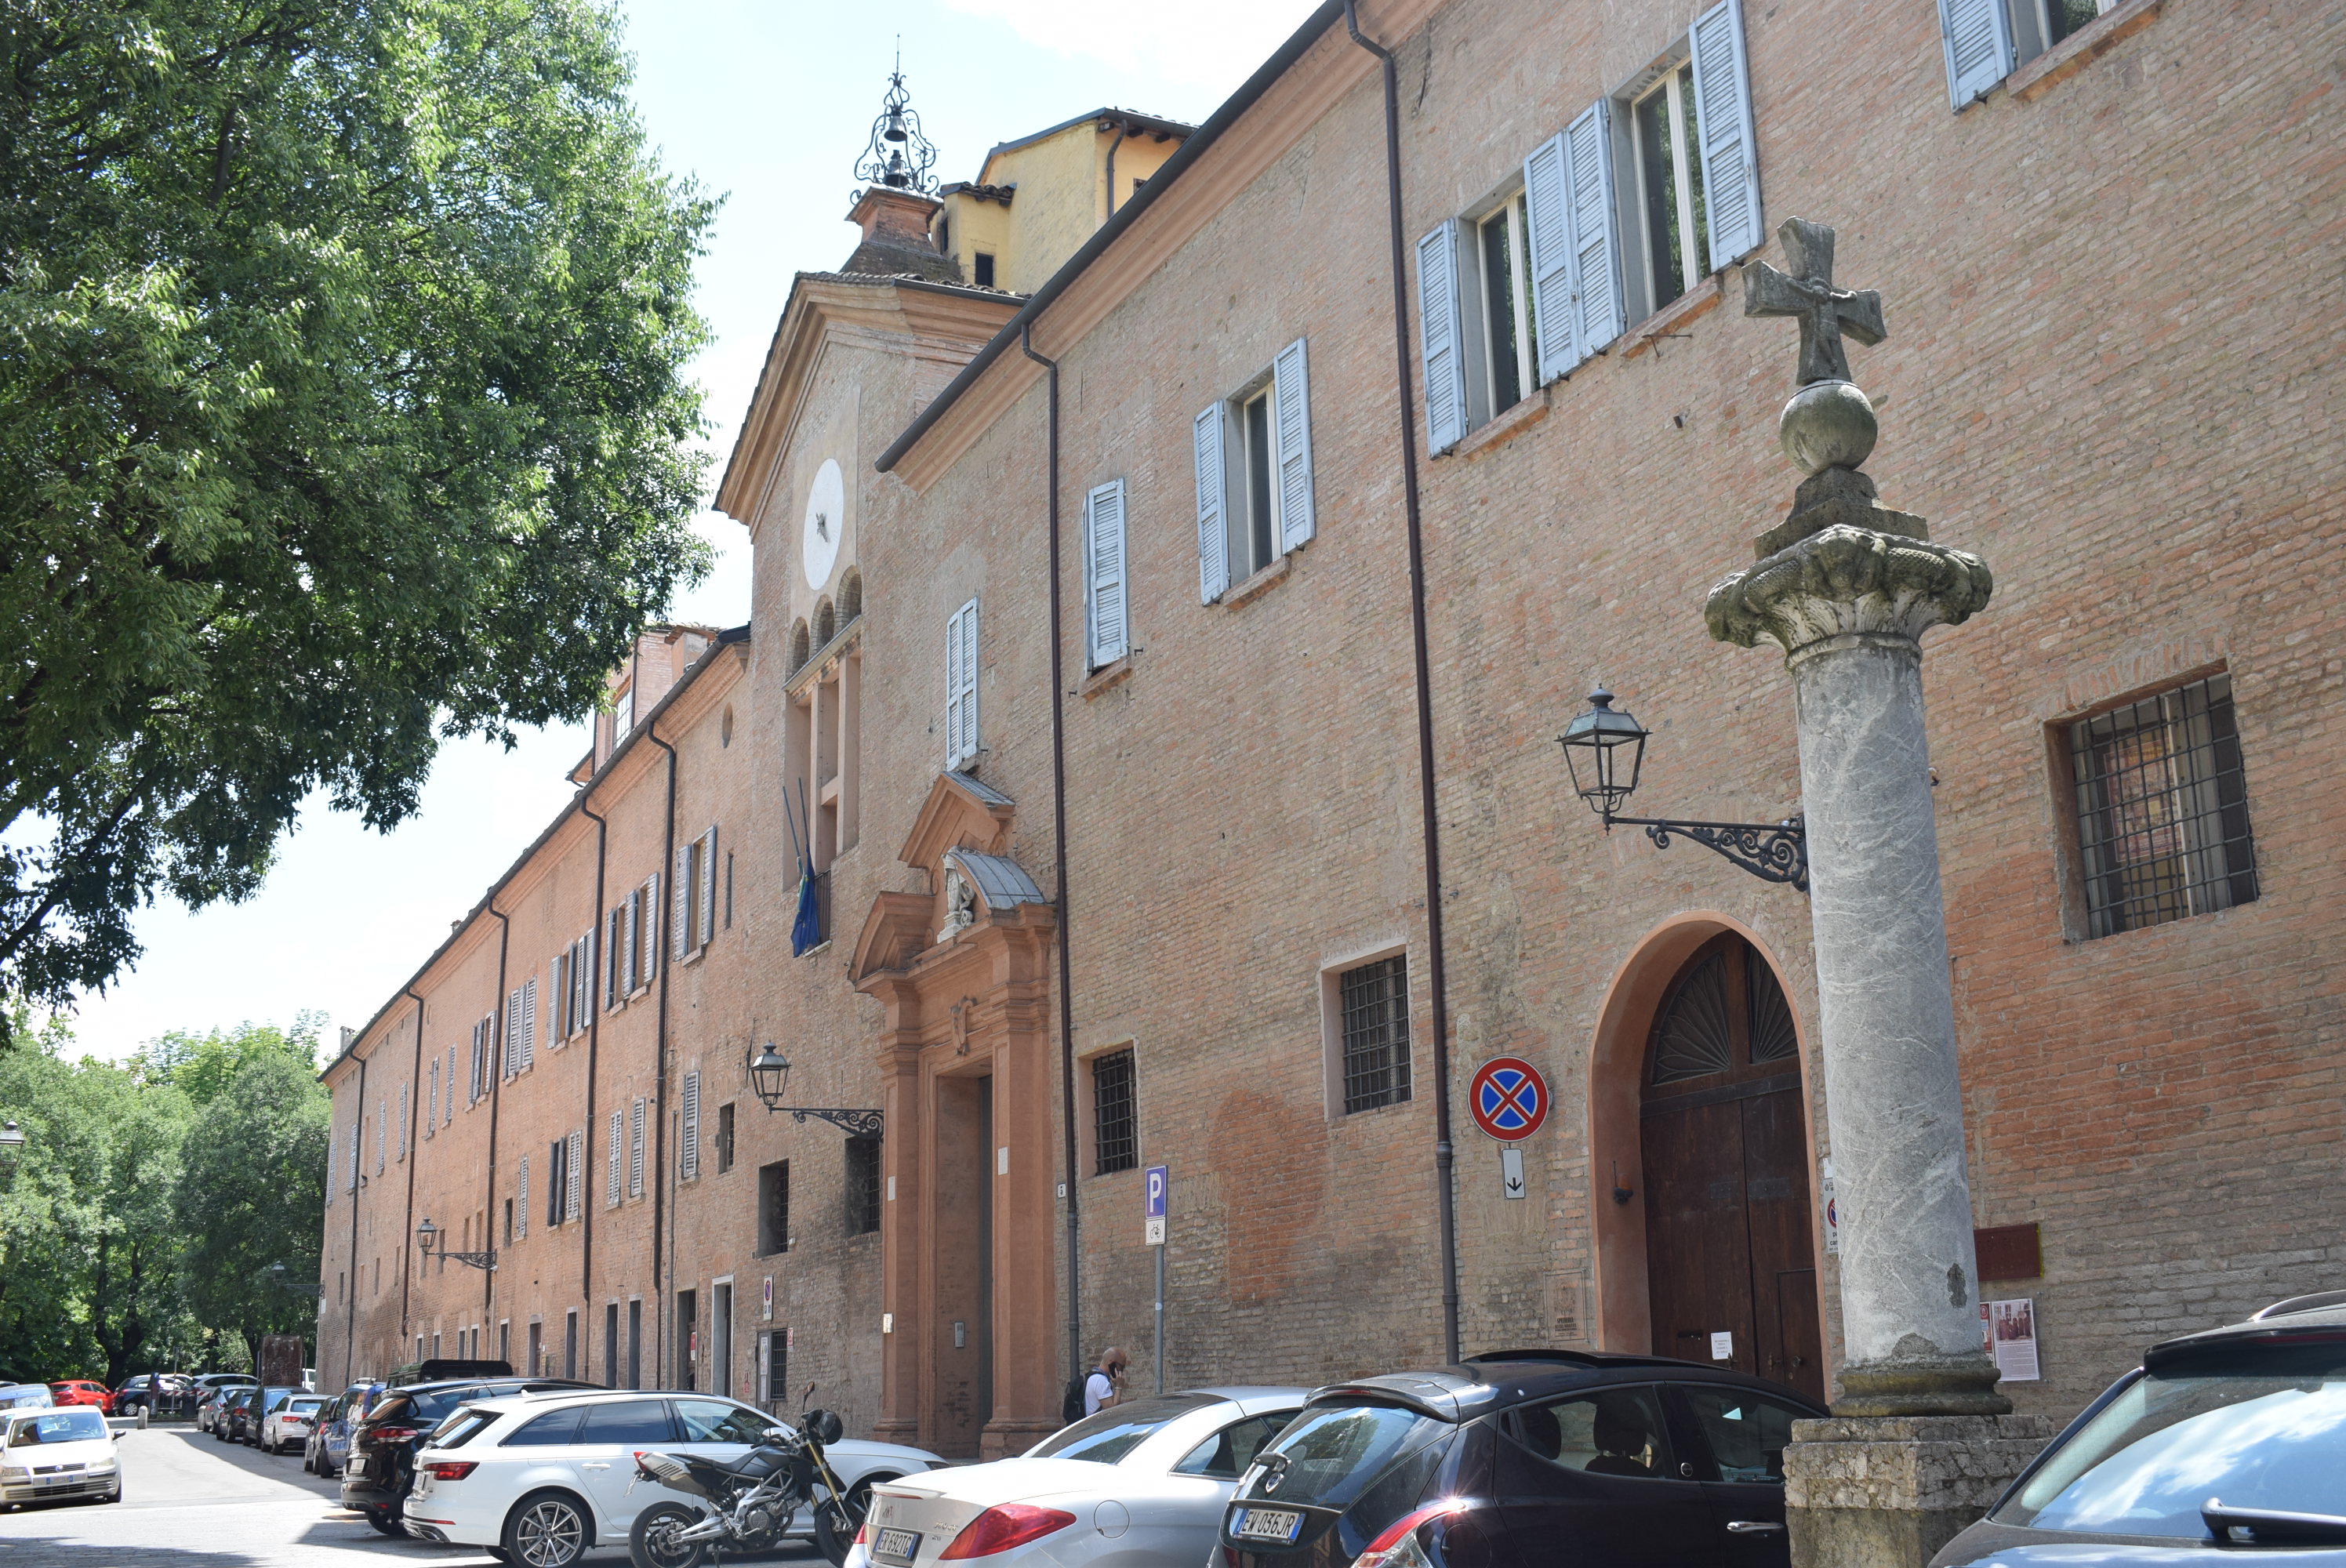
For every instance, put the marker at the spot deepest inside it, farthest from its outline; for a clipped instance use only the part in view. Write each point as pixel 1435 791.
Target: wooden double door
pixel 1729 1229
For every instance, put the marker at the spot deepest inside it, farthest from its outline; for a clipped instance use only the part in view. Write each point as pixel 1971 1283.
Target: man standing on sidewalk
pixel 1105 1387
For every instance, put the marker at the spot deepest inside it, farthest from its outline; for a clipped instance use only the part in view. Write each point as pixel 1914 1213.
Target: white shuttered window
pixel 687 1146
pixel 1440 339
pixel 611 1145
pixel 448 1108
pixel 521 1200
pixel 679 918
pixel 1104 572
pixel 961 686
pixel 1207 436
pixel 1596 308
pixel 1547 223
pixel 572 1169
pixel 432 1095
pixel 1722 107
pixel 636 1149
pixel 704 888
pixel 1978 38
pixel 1291 383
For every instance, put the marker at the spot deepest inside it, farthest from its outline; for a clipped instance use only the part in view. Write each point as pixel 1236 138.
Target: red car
pixel 82 1392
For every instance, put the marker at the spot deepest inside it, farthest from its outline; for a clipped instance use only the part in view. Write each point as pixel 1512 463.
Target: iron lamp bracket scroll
pixel 427 1235
pixel 770 1077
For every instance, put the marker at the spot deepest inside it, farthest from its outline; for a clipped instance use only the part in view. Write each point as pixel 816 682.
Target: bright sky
pixel 768 102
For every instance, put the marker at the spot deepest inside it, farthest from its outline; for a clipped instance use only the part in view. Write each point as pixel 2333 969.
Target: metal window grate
pixel 862 1185
pixel 1116 1122
pixel 1374 999
pixel 2162 809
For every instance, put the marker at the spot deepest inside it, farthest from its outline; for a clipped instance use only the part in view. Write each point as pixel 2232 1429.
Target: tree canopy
pixel 342 411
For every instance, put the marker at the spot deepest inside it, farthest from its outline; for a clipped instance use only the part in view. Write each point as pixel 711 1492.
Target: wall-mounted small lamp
pixel 427 1236
pixel 770 1075
pixel 1603 750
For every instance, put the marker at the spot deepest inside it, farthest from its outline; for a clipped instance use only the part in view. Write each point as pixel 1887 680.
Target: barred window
pixel 862 1185
pixel 1116 1124
pixel 1374 999
pixel 2162 809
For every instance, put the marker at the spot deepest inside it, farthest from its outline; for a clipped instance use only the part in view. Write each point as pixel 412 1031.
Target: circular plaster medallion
pixel 826 514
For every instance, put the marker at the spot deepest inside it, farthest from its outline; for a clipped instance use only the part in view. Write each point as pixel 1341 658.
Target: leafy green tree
pixel 342 411
pixel 251 1185
pixel 201 1065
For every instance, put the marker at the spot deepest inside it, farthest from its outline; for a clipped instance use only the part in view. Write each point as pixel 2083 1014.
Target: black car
pixel 231 1400
pixel 243 1418
pixel 2230 1439
pixel 380 1470
pixel 1524 1458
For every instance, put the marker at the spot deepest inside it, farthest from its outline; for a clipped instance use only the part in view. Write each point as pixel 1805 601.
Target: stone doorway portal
pixel 1729 1239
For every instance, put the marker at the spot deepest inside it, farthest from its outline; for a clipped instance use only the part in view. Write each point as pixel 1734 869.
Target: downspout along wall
pixel 594 1039
pixel 412 1159
pixel 489 1213
pixel 664 939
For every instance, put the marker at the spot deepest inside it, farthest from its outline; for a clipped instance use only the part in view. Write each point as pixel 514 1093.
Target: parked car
pixel 82 1392
pixel 25 1397
pixel 2223 1440
pixel 213 1387
pixel 380 1469
pixel 224 1413
pixel 1143 1483
pixel 544 1478
pixel 290 1422
pixel 244 1418
pixel 1611 1461
pixel 444 1370
pixel 330 1440
pixel 58 1455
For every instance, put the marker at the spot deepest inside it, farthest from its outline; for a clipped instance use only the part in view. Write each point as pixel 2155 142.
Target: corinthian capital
pixel 1846 581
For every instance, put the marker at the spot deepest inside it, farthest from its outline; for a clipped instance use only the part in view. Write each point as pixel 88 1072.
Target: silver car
pixel 1140 1485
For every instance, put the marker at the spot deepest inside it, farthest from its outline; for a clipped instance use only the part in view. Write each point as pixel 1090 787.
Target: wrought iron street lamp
pixel 1603 750
pixel 299 1287
pixel 769 1073
pixel 10 1138
pixel 427 1235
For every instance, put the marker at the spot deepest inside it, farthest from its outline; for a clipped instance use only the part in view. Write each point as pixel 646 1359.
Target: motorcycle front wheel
pixel 837 1519
pixel 652 1543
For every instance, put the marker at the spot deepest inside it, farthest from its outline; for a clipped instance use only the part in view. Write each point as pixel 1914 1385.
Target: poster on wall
pixel 2010 1328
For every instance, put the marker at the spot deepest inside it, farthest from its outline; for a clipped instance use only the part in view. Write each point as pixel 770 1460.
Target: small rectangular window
pixel 1668 159
pixel 862 1185
pixel 2162 809
pixel 1252 549
pixel 1115 1122
pixel 724 1138
pixel 773 1208
pixel 1510 347
pixel 981 264
pixel 1374 1003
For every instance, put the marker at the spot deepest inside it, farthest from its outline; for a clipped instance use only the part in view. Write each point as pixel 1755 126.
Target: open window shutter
pixel 1213 504
pixel 574 1169
pixel 627 964
pixel 961 676
pixel 611 1163
pixel 679 916
pixel 1291 379
pixel 1103 598
pixel 952 690
pixel 402 1121
pixel 1978 36
pixel 1722 119
pixel 381 1133
pixel 528 1020
pixel 432 1095
pixel 353 1184
pixel 448 1114
pixel 508 1059
pixel 636 1150
pixel 687 1153
pixel 1439 337
pixel 1547 240
pixel 1597 311
pixel 521 1200
pixel 708 927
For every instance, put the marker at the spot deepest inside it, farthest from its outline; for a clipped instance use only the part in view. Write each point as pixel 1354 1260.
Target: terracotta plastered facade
pixel 2105 374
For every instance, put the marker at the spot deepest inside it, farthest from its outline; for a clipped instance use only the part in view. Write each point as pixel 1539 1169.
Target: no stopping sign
pixel 1509 1097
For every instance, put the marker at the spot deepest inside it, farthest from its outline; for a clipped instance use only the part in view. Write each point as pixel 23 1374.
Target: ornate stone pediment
pixel 959 813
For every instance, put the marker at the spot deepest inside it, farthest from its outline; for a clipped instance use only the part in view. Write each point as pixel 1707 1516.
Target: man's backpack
pixel 1071 1405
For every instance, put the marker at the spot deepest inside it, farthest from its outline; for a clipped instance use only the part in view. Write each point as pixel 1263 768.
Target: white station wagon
pixel 542 1478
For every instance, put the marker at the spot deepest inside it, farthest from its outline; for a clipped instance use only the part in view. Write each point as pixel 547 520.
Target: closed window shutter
pixel 555 1035
pixel 352 1184
pixel 707 883
pixel 961 686
pixel 510 1061
pixel 611 1163
pixel 1722 118
pixel 1439 337
pixel 680 918
pixel 402 1121
pixel 648 945
pixel 1978 36
pixel 574 1168
pixel 1213 504
pixel 1597 311
pixel 448 1111
pixel 635 915
pixel 687 1153
pixel 1290 377
pixel 521 1200
pixel 1103 595
pixel 381 1133
pixel 636 1150
pixel 432 1095
pixel 1547 240
pixel 473 1071
pixel 528 1020
pixel 952 690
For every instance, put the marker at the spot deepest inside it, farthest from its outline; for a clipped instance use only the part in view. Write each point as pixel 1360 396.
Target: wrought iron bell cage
pixel 898 156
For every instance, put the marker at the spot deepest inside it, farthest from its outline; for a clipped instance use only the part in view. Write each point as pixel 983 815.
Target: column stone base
pixel 1887 1491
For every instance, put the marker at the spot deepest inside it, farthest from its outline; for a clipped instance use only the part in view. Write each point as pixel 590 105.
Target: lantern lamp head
pixel 10 1138
pixel 1603 772
pixel 427 1235
pixel 769 1071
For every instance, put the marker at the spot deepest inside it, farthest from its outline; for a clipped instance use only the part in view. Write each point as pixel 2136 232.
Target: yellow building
pixel 1036 199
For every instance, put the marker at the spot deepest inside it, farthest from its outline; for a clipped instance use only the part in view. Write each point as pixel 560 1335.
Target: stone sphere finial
pixel 1828 425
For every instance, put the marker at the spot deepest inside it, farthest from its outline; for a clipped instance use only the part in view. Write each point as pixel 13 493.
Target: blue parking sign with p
pixel 1155 1193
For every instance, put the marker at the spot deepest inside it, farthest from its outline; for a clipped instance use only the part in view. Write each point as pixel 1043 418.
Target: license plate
pixel 356 1467
pixel 1269 1524
pixel 896 1545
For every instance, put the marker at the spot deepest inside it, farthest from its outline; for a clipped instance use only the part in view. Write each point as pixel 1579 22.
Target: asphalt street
pixel 190 1501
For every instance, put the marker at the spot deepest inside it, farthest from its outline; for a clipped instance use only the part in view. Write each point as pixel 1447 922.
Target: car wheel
pixel 548 1530
pixel 836 1519
pixel 386 1522
pixel 651 1541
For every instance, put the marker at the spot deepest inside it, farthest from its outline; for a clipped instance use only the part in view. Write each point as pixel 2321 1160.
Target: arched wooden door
pixel 1728 1244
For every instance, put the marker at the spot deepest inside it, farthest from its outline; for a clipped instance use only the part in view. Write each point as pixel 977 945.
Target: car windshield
pixel 1108 1436
pixel 79 1424
pixel 2262 1428
pixel 1333 1453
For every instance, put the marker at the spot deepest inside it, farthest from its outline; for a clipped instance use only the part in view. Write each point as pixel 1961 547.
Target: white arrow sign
pixel 1511 1171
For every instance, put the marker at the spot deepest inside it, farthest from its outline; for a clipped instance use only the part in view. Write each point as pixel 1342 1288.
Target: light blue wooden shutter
pixel 1722 118
pixel 528 1021
pixel 1547 240
pixel 521 1200
pixel 1978 36
pixel 1290 381
pixel 1104 595
pixel 633 935
pixel 611 1163
pixel 574 1164
pixel 448 1116
pixel 1213 504
pixel 1439 337
pixel 1596 308
pixel 679 916
pixel 636 1149
pixel 688 1148
pixel 961 686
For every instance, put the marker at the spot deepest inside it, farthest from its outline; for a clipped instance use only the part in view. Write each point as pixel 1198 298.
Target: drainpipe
pixel 351 1296
pixel 665 945
pixel 415 1156
pixel 1443 1155
pixel 594 1039
pixel 497 1081
pixel 1129 133
pixel 1059 848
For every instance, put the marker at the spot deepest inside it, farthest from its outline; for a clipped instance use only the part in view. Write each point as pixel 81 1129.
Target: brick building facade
pixel 2112 371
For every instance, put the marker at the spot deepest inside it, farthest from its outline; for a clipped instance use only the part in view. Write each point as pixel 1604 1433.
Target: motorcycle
pixel 746 1506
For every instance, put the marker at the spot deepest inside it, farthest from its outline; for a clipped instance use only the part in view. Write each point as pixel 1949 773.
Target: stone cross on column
pixel 1825 312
